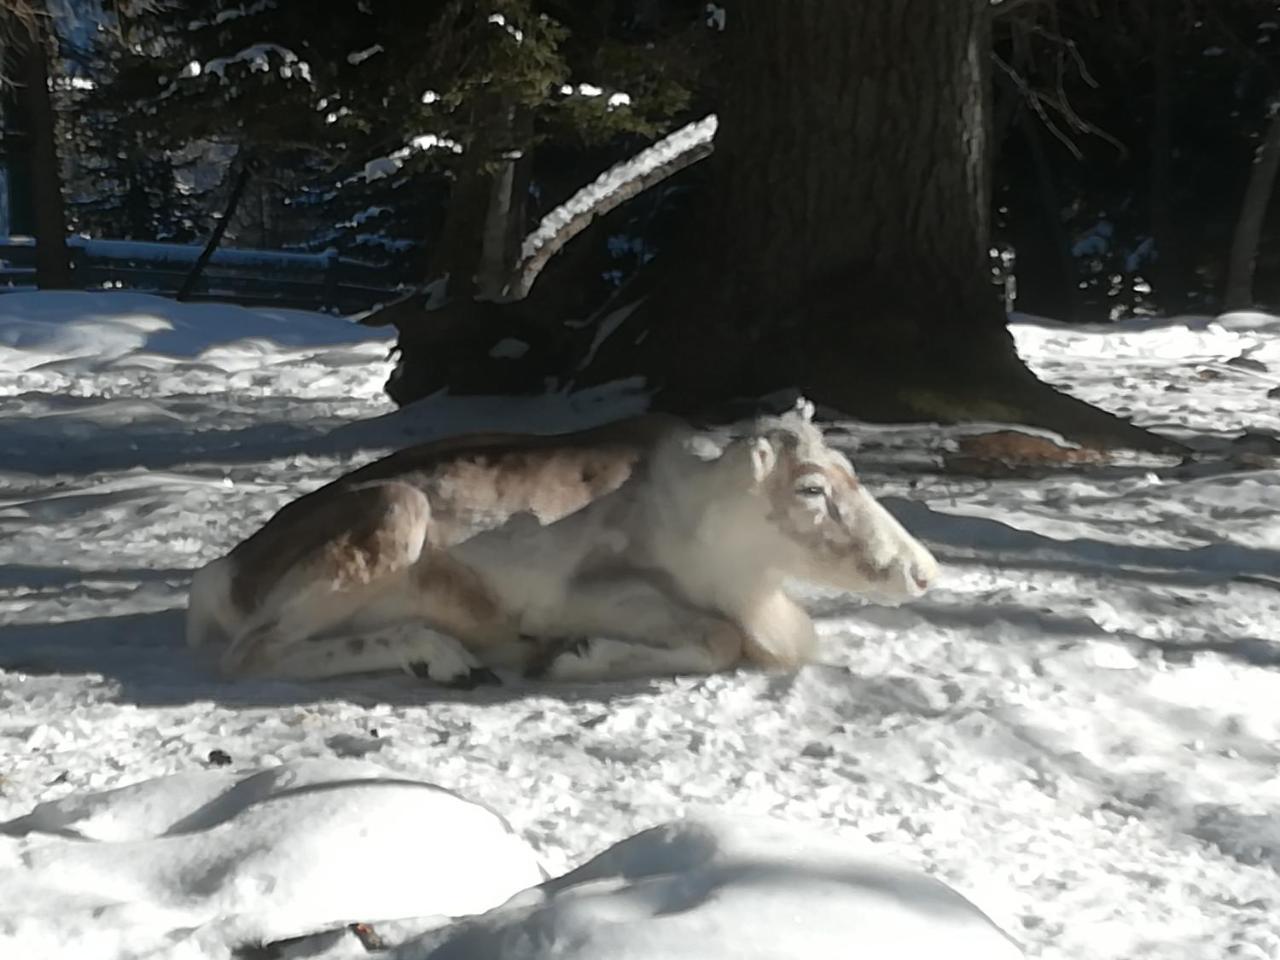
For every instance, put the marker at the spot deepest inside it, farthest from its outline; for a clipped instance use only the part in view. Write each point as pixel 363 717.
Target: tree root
pixel 1037 404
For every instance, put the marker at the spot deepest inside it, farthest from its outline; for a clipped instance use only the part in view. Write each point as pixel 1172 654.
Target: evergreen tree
pixel 128 177
pixel 383 124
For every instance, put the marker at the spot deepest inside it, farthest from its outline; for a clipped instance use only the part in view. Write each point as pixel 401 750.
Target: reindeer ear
pixel 749 460
pixel 763 458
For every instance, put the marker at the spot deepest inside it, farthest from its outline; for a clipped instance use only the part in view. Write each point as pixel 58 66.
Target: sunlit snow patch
pixel 715 889
pixel 217 858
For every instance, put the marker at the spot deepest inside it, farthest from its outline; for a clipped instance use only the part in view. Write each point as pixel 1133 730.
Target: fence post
pixel 332 263
pixel 81 268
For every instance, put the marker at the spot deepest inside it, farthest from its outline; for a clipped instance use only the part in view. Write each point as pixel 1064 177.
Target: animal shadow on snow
pixel 144 656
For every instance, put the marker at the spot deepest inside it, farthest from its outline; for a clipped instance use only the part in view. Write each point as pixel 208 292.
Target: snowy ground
pixel 1079 729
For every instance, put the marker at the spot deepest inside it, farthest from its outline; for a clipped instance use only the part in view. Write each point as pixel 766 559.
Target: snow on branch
pixel 258 59
pixel 608 191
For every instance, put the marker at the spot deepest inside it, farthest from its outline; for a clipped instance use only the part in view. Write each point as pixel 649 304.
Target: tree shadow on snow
pixel 1162 802
pixel 37 577
pixel 1043 624
pixel 960 540
pixel 165 450
pixel 1003 540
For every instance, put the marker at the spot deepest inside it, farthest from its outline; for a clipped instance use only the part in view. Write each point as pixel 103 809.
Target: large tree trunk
pixel 859 150
pixel 53 263
pixel 843 245
pixel 1253 213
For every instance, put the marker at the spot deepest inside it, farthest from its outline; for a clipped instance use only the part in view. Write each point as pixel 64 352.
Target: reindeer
pixel 638 548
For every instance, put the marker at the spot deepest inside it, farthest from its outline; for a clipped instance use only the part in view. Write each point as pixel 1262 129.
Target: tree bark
pixel 1170 285
pixel 845 246
pixel 859 148
pixel 1253 213
pixel 53 262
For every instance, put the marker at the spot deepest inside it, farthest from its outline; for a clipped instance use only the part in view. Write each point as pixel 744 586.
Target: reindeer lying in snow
pixel 662 547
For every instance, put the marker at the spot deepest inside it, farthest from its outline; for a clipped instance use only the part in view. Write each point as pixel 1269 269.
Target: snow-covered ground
pixel 1078 730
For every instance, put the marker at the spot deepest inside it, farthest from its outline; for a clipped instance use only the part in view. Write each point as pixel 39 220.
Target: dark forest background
pixel 1129 146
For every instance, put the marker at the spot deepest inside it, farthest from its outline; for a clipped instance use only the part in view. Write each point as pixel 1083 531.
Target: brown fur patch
pixel 571 469
pixel 635 434
pixel 369 523
pixel 477 492
pixel 352 539
pixel 457 601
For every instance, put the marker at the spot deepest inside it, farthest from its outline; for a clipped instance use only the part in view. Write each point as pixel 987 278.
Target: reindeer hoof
pixel 472 678
pixel 476 677
pixel 549 650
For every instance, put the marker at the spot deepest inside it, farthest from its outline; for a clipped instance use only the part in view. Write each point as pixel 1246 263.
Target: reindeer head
pixel 820 522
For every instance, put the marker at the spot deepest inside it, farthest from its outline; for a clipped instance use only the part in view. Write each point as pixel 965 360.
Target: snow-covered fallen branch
pixel 618 184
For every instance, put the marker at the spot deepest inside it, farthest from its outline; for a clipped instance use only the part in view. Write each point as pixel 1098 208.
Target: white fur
pixel 210 616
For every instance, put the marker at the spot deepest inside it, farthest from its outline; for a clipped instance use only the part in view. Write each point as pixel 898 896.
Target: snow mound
pixel 713 888
pixel 61 349
pixel 39 327
pixel 214 859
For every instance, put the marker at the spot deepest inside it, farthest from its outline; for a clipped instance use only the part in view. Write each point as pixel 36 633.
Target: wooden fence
pixel 310 281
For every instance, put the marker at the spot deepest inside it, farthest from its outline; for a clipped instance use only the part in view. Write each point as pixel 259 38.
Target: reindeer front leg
pixel 632 626
pixel 779 632
pixel 635 628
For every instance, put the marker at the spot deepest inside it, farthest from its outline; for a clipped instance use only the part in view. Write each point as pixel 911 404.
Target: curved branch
pixel 614 187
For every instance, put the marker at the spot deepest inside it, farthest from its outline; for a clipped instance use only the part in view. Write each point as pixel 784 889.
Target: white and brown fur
pixel 665 545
